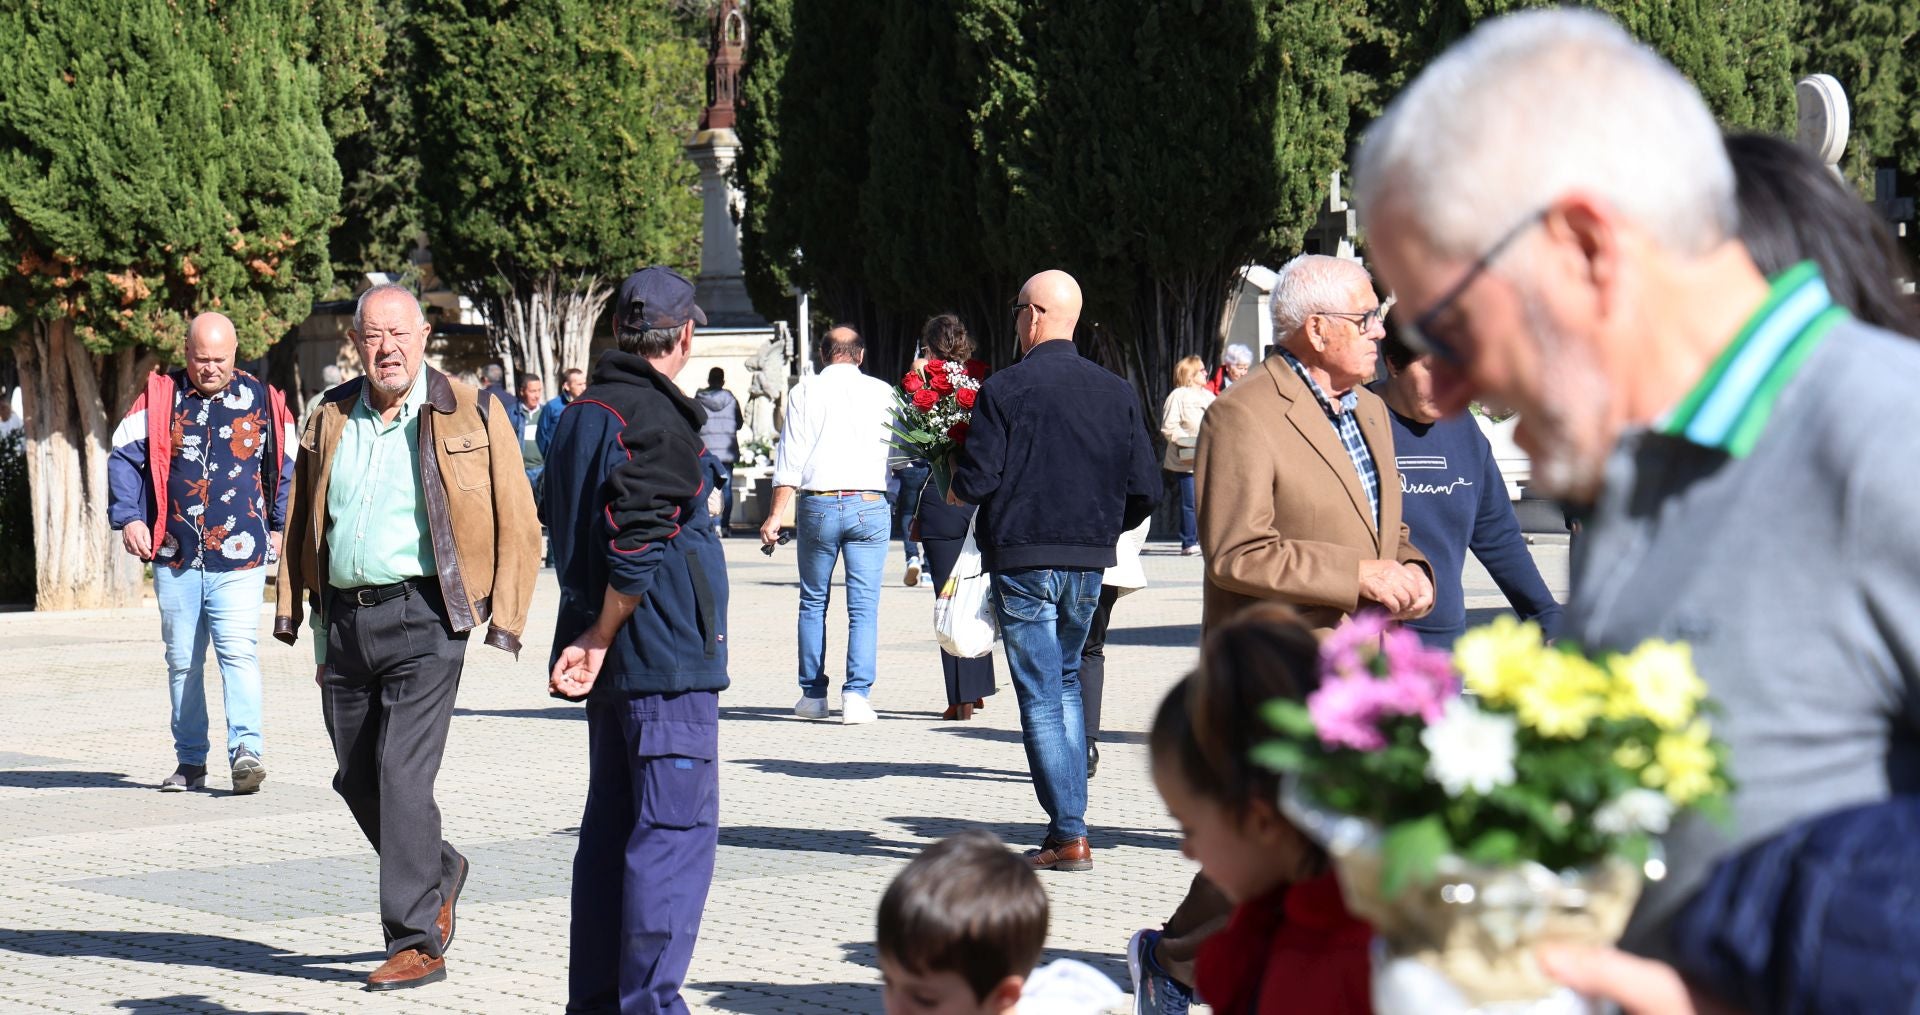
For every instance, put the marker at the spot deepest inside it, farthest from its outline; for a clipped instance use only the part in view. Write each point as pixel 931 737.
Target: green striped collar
pixel 1730 406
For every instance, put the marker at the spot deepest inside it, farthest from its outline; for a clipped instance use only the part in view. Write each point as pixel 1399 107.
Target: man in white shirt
pixel 833 450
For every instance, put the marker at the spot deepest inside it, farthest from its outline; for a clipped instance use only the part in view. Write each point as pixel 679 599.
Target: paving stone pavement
pixel 116 897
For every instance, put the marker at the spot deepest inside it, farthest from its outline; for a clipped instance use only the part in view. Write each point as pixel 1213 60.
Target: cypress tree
pixel 550 134
pixel 157 159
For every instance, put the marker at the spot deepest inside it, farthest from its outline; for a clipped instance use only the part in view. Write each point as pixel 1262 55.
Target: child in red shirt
pixel 1290 945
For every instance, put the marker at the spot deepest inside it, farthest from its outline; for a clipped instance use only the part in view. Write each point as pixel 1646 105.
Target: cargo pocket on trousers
pixel 680 781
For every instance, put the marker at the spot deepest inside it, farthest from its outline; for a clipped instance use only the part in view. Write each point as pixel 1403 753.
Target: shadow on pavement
pixel 167 949
pixel 554 712
pixel 837 842
pixel 856 770
pixel 1164 636
pixel 199 1004
pixel 64 779
pixel 762 997
pixel 1021 836
pixel 1013 736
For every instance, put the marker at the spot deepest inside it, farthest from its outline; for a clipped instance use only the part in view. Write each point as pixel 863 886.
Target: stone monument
pixel 721 288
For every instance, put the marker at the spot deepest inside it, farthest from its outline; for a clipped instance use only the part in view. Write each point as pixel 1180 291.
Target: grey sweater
pixel 1795 575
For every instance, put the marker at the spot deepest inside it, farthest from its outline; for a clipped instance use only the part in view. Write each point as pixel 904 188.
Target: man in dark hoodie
pixel 641 636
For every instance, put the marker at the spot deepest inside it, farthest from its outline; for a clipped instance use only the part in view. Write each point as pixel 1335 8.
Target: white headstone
pixel 1825 117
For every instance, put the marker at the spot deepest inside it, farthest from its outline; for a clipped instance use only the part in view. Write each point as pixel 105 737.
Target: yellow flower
pixel 1657 682
pixel 1497 660
pixel 1565 696
pixel 1683 764
pixel 1632 755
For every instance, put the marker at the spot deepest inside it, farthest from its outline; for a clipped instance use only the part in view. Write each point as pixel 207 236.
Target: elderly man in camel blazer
pixel 1299 497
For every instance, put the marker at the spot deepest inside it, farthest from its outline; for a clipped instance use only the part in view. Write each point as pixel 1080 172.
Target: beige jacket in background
pixel 1180 418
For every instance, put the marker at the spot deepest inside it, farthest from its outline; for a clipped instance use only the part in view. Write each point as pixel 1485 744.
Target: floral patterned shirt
pixel 216 488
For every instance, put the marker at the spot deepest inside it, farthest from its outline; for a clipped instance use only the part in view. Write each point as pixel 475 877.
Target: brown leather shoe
pixel 410 968
pixel 444 922
pixel 1072 855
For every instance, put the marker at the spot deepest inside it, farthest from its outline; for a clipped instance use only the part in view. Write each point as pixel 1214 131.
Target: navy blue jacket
pixel 1059 462
pixel 1454 499
pixel 1822 918
pixel 625 504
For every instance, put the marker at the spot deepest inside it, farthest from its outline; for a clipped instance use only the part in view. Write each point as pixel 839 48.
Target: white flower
pixel 1470 749
pixel 239 397
pixel 238 546
pixel 1636 810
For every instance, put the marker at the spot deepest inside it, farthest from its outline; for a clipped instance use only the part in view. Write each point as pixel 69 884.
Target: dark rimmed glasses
pixel 1420 333
pixel 1035 307
pixel 1366 319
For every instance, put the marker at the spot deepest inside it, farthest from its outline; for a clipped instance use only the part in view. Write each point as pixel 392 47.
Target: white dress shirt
pixel 836 436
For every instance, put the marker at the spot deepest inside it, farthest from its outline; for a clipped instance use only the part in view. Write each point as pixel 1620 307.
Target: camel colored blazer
pixel 1283 517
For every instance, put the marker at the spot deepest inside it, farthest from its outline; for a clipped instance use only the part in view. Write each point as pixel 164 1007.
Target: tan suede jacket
pixel 485 531
pixel 1283 517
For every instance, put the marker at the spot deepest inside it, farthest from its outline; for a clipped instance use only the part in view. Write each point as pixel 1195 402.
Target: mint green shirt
pixel 376 514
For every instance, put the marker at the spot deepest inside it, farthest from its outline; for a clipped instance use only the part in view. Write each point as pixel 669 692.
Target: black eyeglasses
pixel 1419 334
pixel 1366 320
pixel 1035 307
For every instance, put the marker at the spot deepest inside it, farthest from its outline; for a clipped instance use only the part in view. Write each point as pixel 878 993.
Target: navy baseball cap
pixel 655 297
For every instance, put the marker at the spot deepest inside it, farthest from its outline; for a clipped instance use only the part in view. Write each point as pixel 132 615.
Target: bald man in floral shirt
pixel 198 486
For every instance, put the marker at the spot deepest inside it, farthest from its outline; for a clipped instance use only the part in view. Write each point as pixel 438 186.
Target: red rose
pixel 913 382
pixel 941 381
pixel 976 370
pixel 958 432
pixel 936 367
pixel 925 398
pixel 966 397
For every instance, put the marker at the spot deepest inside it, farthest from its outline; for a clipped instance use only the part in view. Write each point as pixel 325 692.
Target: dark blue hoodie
pixel 1454 499
pixel 625 505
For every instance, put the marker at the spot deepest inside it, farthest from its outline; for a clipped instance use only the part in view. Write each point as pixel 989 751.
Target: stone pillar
pixel 721 289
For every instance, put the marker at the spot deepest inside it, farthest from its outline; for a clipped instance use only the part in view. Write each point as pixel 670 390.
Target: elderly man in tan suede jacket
pixel 1298 490
pixel 1299 502
pixel 411 524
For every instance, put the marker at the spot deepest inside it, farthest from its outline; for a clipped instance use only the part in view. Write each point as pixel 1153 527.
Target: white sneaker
pixel 913 572
pixel 854 710
pixel 811 708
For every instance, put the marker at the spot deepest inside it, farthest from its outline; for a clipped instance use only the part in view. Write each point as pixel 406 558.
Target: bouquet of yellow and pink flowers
pixel 1508 793
pixel 935 410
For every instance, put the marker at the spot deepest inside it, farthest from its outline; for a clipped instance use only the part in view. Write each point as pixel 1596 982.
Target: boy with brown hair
pixel 961 929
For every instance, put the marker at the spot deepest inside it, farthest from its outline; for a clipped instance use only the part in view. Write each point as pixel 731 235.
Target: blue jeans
pixel 1044 617
pixel 1189 522
pixel 829 527
pixel 913 480
pixel 221 608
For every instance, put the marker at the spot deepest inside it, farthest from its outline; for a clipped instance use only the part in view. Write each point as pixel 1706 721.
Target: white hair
pixel 360 305
pixel 1532 106
pixel 1238 354
pixel 1311 284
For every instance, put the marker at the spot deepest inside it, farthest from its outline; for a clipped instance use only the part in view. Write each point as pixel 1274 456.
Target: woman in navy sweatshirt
pixel 1454 500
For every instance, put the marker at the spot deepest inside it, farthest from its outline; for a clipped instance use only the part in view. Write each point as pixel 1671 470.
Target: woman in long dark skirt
pixel 942 528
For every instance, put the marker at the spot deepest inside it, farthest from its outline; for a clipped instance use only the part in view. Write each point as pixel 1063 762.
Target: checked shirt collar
pixel 1347 425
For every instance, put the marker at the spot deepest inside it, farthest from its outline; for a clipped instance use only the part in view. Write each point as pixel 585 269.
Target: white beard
pixel 1575 399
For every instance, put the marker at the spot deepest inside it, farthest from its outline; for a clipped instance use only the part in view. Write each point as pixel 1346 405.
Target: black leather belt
pixel 374 595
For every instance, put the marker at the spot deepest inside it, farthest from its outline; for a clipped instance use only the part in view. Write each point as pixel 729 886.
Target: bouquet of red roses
pixel 935 409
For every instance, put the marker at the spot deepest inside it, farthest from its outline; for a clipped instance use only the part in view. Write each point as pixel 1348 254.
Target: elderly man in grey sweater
pixel 1553 205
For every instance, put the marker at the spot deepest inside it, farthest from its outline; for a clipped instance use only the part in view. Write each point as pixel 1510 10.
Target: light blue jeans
pixel 221 608
pixel 829 527
pixel 1044 617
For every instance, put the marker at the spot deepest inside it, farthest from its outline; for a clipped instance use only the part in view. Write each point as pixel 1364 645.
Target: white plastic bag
pixel 963 618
